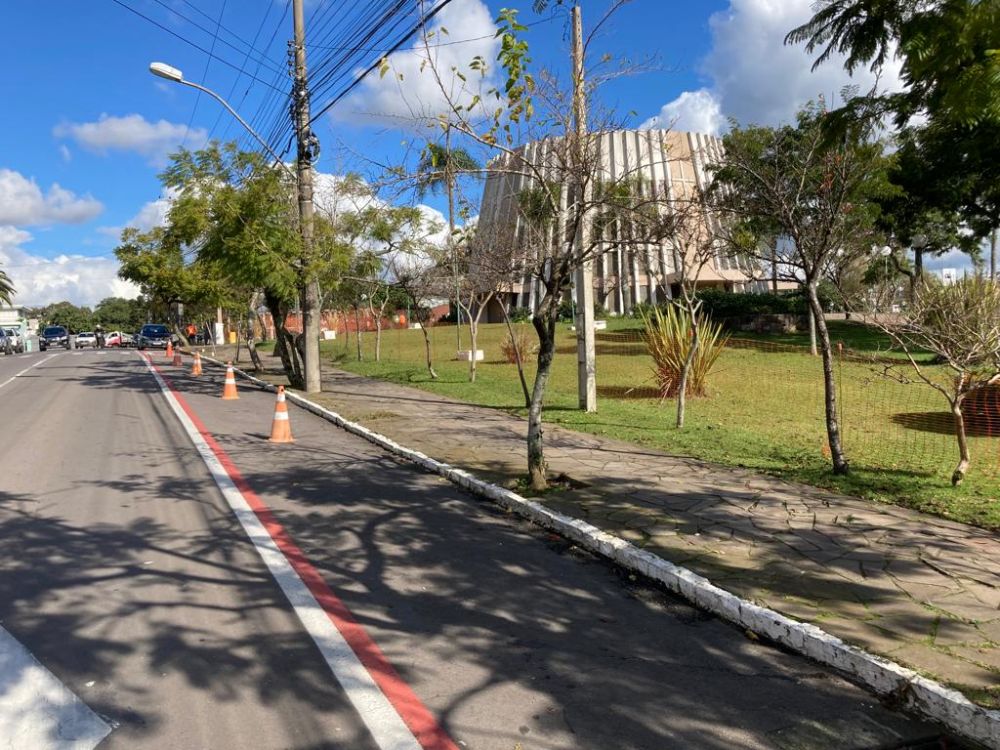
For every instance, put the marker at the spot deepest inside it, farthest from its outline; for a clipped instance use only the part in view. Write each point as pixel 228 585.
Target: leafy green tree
pixel 819 199
pixel 950 68
pixel 76 319
pixel 921 212
pixel 120 313
pixel 947 49
pixel 158 263
pixel 237 215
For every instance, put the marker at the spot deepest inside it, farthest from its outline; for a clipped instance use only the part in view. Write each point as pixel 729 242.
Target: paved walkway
pixel 918 589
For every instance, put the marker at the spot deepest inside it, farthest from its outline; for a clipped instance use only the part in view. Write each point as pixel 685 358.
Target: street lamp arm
pixel 241 121
pixel 171 73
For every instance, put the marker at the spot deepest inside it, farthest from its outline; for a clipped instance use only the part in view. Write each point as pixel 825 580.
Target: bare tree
pixel 556 188
pixel 960 324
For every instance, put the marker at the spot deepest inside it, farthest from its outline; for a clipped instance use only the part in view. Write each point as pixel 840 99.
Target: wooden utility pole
pixel 309 286
pixel 586 359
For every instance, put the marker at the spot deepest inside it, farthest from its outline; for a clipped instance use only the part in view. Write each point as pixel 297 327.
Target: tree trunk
pixel 517 357
pixel 284 344
pixel 378 338
pixel 427 351
pixel 252 349
pixel 963 444
pixel 840 465
pixel 774 270
pixel 918 270
pixel 357 329
pixel 812 331
pixel 685 371
pixel 473 334
pixel 544 322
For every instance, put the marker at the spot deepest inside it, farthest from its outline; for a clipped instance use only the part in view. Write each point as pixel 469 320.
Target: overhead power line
pixel 215 34
pixel 188 41
pixel 403 40
pixel 204 75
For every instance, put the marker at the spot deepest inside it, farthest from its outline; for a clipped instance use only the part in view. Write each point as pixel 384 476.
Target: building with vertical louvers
pixel 667 166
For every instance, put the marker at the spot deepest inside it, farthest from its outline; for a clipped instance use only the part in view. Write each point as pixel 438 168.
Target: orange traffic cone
pixel 196 367
pixel 229 389
pixel 281 428
pixel 170 349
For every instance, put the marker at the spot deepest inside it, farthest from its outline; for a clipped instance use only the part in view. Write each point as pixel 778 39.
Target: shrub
pixel 641 310
pixel 719 304
pixel 520 315
pixel 524 341
pixel 668 337
pixel 566 310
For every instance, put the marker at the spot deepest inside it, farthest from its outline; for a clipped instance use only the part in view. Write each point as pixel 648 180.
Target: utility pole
pixel 586 359
pixel 309 286
pixel 450 187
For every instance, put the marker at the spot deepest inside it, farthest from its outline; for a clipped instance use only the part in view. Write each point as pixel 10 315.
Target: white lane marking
pixel 38 712
pixel 15 377
pixel 385 725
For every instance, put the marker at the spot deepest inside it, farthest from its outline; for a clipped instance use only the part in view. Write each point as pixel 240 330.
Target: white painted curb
pixel 882 676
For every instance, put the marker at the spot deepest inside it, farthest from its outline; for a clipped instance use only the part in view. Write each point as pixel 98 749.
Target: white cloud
pixel 65 153
pixel 693 111
pixel 152 214
pixel 153 140
pixel 754 77
pixel 79 279
pixel 22 203
pixel 417 94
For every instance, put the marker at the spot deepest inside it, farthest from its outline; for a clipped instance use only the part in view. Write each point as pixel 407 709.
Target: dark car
pixel 153 336
pixel 53 336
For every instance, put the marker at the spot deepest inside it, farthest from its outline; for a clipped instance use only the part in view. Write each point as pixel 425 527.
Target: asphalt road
pixel 126 574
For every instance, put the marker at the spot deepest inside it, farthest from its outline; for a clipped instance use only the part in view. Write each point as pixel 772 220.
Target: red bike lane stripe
pixel 417 717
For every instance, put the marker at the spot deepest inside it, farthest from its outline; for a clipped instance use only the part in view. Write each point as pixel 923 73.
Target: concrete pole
pixel 586 359
pixel 309 290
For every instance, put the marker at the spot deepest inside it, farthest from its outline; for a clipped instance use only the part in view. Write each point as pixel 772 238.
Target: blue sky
pixel 86 128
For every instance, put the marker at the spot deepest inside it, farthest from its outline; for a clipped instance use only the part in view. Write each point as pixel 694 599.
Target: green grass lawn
pixel 764 411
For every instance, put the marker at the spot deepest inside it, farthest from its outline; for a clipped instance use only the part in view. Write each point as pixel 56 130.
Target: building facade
pixel 665 166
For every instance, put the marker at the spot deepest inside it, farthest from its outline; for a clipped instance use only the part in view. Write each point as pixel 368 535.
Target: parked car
pixel 16 339
pixel 114 338
pixel 86 338
pixel 5 343
pixel 53 336
pixel 153 336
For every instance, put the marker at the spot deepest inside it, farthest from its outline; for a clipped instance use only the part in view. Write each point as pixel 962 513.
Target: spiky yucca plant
pixel 668 338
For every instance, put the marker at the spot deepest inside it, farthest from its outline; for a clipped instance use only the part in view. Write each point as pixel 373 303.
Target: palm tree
pixel 438 169
pixel 6 288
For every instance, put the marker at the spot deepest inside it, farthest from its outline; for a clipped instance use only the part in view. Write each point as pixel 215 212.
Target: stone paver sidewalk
pixel 920 590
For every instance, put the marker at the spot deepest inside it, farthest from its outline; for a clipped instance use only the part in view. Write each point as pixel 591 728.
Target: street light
pixel 170 73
